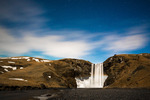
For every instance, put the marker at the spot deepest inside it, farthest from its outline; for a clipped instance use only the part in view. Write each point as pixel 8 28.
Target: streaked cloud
pixel 52 45
pixel 125 43
pixel 58 45
pixel 25 27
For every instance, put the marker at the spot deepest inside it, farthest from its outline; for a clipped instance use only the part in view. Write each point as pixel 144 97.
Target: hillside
pixel 124 71
pixel 128 71
pixel 31 72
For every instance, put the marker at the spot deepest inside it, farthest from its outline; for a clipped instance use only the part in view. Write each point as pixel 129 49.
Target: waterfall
pixel 97 76
pixel 96 80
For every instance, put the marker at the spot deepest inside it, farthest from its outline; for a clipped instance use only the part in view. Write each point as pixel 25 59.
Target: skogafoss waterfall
pixel 96 80
pixel 97 76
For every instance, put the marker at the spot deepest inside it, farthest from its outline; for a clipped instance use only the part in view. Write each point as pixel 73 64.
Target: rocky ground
pixel 77 94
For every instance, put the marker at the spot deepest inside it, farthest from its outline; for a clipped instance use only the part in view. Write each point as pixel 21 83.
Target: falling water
pixel 97 76
pixel 96 80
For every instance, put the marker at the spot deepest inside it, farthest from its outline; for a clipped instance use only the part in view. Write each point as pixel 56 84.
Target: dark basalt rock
pixel 81 68
pixel 66 70
pixel 69 73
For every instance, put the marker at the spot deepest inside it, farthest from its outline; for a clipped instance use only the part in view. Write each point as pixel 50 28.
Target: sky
pixel 92 30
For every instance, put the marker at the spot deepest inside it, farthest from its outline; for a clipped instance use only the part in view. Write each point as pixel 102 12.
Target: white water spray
pixel 96 80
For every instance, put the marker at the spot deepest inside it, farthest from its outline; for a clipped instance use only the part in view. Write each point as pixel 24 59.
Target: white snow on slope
pixel 14 68
pixel 45 60
pixel 49 76
pixel 16 58
pixel 18 79
pixel 5 57
pixel 25 57
pixel 37 60
pixel 20 57
pixel 6 70
pixel 28 59
pixel 10 62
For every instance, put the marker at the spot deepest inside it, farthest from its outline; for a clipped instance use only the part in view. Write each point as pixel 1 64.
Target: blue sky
pixel 86 29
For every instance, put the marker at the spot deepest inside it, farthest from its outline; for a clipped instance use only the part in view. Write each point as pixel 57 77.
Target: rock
pixel 43 86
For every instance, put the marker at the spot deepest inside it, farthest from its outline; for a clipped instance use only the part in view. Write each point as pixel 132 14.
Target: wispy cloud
pixel 119 43
pixel 32 37
pixel 52 45
pixel 137 29
pixel 133 38
pixel 58 43
pixel 73 44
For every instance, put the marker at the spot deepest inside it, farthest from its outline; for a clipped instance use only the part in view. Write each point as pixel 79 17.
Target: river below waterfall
pixel 77 94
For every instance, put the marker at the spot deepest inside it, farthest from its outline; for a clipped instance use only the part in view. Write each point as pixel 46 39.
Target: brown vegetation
pixel 128 71
pixel 53 74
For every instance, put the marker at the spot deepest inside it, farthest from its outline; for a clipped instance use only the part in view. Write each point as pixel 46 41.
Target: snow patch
pixel 25 57
pixel 6 70
pixel 45 60
pixel 15 58
pixel 20 57
pixel 10 62
pixel 21 67
pixel 49 76
pixel 14 68
pixel 18 79
pixel 5 57
pixel 111 59
pixel 37 60
pixel 28 59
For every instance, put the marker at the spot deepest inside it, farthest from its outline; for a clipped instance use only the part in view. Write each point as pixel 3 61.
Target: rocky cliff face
pixel 30 72
pixel 128 71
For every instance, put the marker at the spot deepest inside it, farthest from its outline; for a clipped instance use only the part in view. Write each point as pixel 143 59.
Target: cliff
pixel 128 71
